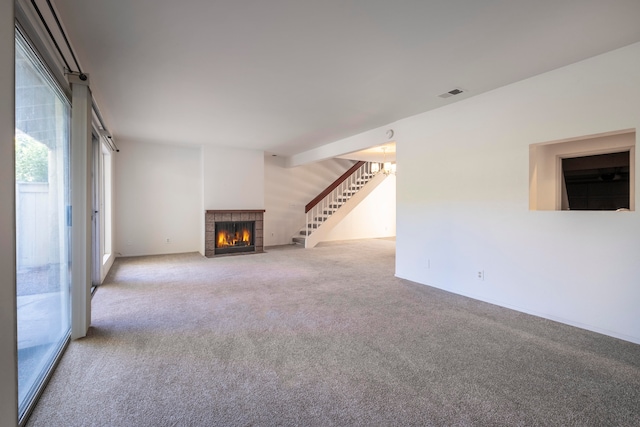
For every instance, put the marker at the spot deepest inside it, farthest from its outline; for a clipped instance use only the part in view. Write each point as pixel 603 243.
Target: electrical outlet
pixel 481 275
pixel 168 240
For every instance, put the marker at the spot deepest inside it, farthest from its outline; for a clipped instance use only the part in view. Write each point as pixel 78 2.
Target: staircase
pixel 333 204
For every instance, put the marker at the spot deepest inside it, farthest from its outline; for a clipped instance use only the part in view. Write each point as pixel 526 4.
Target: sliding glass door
pixel 42 221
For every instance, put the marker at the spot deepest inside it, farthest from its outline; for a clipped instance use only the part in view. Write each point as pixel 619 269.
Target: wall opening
pixel 595 172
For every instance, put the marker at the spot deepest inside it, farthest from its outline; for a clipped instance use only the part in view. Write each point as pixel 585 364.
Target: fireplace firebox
pixel 234 236
pixel 233 232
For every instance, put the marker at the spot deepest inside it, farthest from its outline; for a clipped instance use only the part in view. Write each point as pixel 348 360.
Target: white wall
pixel 161 192
pixel 462 199
pixel 8 349
pixel 233 179
pixel 157 195
pixel 288 190
pixel 374 217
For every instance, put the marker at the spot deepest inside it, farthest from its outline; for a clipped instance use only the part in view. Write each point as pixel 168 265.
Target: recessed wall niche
pixel 595 172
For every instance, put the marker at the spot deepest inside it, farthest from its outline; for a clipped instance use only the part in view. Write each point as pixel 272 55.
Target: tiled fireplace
pixel 233 232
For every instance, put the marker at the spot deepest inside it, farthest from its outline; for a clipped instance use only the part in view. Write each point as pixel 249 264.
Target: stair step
pixel 299 240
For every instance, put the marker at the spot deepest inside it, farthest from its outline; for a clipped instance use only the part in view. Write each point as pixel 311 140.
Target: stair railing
pixel 334 196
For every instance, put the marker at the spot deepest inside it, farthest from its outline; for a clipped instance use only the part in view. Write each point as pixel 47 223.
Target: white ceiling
pixel 286 76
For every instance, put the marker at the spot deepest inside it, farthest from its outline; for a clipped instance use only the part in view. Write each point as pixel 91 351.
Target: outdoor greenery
pixel 32 160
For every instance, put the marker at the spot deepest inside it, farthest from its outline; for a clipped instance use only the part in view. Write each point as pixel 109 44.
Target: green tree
pixel 32 160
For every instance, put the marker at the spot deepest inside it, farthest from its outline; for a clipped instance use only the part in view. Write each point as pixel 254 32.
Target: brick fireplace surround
pixel 211 216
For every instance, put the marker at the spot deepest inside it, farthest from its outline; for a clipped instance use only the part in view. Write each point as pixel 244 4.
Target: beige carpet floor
pixel 325 337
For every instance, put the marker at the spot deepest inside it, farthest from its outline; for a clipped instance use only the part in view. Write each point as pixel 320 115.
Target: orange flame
pixel 225 239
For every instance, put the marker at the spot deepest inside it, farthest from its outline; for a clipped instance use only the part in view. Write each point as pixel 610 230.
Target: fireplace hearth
pixel 233 232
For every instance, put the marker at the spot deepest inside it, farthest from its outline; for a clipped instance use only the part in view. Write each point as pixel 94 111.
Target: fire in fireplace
pixel 234 236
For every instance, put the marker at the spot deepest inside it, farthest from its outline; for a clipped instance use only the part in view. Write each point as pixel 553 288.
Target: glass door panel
pixel 42 229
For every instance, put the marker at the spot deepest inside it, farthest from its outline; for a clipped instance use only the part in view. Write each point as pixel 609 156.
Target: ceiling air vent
pixel 452 92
